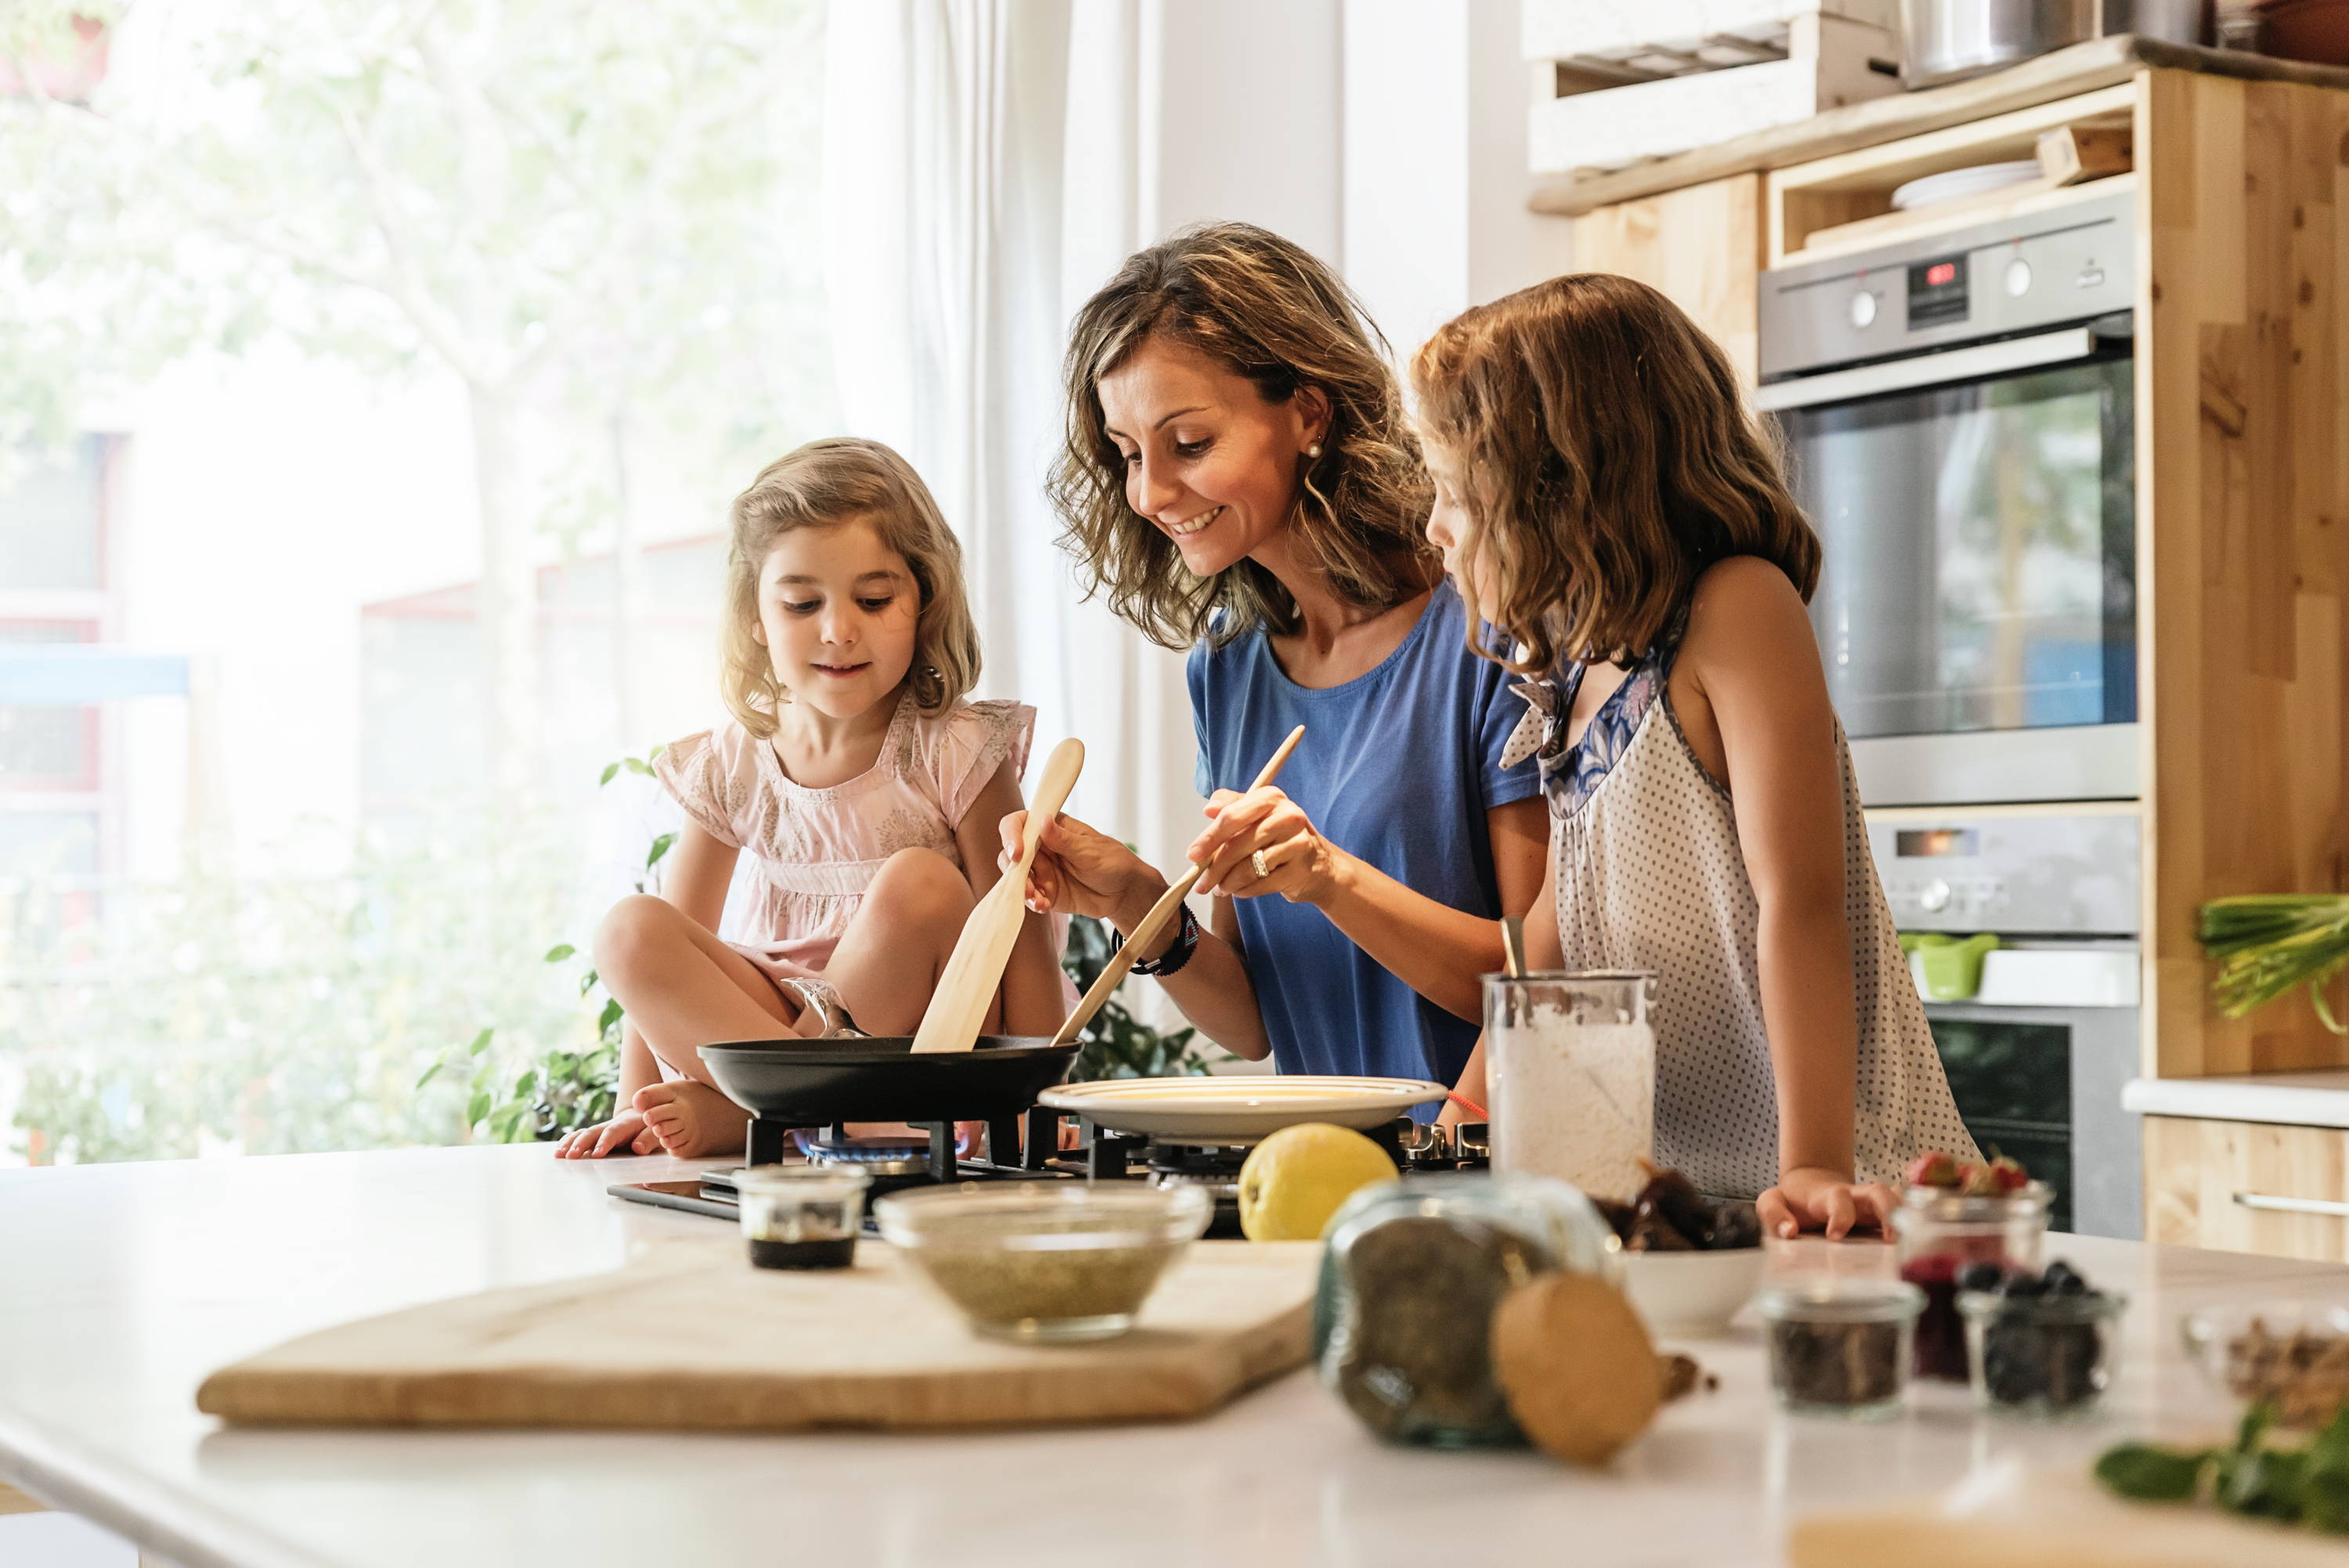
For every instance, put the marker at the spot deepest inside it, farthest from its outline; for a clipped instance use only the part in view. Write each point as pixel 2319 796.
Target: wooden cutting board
pixel 2048 1516
pixel 691 1337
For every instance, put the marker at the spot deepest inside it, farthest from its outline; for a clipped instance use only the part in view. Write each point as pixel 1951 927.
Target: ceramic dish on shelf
pixel 1952 184
pixel 1227 1110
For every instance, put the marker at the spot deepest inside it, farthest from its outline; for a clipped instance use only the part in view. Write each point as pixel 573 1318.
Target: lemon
pixel 1294 1180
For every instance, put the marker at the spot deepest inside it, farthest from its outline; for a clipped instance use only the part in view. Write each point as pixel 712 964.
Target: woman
pixel 1238 478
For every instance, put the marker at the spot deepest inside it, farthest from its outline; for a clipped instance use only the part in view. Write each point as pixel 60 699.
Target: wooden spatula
pixel 958 1006
pixel 1115 970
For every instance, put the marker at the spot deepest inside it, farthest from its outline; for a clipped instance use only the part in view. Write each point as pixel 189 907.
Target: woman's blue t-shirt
pixel 1398 767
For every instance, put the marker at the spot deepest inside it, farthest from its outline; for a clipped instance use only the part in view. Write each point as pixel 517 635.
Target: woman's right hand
pixel 623 1134
pixel 1080 869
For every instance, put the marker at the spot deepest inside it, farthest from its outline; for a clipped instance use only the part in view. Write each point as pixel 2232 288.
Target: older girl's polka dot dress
pixel 1650 877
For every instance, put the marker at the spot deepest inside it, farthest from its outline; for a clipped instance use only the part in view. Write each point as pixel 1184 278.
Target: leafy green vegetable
pixel 2149 1474
pixel 2271 945
pixel 2305 1486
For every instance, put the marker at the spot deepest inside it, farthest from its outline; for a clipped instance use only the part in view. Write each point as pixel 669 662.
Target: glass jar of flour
pixel 1570 1061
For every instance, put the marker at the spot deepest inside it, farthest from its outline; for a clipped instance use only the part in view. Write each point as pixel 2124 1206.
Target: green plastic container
pixel 1952 964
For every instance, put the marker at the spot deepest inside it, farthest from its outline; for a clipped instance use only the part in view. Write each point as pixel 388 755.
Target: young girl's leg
pixel 683 989
pixel 889 958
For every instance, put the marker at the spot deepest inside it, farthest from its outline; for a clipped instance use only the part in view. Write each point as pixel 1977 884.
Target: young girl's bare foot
pixel 692 1119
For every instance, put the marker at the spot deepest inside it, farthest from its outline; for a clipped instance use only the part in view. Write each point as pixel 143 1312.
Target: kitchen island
pixel 127 1283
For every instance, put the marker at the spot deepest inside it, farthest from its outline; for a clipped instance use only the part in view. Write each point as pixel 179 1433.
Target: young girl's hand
pixel 1079 870
pixel 1806 1199
pixel 623 1134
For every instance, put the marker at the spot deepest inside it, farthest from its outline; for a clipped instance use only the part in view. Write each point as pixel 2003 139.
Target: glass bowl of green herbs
pixel 1045 1263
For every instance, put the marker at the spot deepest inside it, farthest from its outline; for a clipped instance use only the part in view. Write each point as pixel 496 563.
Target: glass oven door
pixel 2043 1084
pixel 1977 607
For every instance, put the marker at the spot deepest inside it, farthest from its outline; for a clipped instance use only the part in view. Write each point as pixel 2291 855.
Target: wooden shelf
pixel 1845 202
pixel 2066 73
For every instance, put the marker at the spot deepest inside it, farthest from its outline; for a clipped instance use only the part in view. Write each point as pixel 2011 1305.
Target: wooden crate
pixel 1617 82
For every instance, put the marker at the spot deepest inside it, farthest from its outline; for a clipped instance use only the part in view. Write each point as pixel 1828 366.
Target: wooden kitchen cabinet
pixel 1701 245
pixel 2248 1187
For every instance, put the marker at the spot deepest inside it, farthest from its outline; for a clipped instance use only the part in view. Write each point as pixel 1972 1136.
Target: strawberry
pixel 1934 1169
pixel 1979 1181
pixel 2012 1177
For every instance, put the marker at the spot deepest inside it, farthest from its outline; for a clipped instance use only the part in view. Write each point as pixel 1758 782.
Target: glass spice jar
pixel 801 1216
pixel 1411 1272
pixel 1939 1232
pixel 2047 1356
pixel 1840 1346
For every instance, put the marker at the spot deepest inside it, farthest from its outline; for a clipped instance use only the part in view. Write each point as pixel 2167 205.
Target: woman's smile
pixel 1186 529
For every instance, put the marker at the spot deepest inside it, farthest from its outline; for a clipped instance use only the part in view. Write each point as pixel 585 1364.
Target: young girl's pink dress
pixel 815 851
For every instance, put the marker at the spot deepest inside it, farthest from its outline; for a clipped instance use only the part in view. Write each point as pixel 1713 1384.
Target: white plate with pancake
pixel 1238 1109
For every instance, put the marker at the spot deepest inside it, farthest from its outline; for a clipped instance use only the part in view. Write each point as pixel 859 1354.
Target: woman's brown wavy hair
pixel 1269 310
pixel 1608 457
pixel 824 484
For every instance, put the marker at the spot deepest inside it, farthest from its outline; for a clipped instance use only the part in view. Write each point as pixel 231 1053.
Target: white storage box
pixel 1621 80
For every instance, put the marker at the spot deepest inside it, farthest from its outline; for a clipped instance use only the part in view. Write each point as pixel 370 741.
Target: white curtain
pixel 986 165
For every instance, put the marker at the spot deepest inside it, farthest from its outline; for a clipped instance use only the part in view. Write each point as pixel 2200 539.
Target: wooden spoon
pixel 1113 972
pixel 967 983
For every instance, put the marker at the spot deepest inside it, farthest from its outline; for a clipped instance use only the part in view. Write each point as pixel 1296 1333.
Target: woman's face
pixel 1208 462
pixel 1449 524
pixel 839 612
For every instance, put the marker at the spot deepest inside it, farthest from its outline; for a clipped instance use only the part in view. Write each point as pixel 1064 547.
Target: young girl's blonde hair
pixel 1607 458
pixel 823 485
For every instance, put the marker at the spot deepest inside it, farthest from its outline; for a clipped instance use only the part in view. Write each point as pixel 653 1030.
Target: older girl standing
pixel 1239 482
pixel 1605 498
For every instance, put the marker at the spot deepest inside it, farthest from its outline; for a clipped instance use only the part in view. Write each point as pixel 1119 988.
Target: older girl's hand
pixel 1079 870
pixel 1806 1199
pixel 1298 864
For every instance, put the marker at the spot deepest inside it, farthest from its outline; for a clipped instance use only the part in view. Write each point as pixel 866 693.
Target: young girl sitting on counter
pixel 1605 501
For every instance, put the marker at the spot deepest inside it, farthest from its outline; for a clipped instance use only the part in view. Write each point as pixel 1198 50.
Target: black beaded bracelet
pixel 1178 952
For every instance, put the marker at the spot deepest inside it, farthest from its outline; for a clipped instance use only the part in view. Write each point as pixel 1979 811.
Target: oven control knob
pixel 1862 309
pixel 1934 895
pixel 2018 277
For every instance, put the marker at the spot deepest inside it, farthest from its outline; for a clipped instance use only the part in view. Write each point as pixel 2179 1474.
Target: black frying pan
pixel 815 1083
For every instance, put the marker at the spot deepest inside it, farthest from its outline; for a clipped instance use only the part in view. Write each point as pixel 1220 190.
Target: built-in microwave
pixel 1959 418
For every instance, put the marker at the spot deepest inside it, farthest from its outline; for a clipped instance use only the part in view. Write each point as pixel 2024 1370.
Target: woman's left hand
pixel 1808 1199
pixel 1299 864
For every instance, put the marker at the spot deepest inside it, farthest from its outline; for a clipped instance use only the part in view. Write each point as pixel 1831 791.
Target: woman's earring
pixel 1314 451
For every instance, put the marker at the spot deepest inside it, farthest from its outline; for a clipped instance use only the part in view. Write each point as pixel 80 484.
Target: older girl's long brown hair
pixel 1609 457
pixel 1267 309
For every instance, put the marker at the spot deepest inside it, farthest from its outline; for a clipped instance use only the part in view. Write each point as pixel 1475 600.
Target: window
pixel 412 529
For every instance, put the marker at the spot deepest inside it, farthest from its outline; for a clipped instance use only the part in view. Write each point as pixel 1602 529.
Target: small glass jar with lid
pixel 2046 1356
pixel 801 1216
pixel 1411 1271
pixel 1840 1346
pixel 1939 1232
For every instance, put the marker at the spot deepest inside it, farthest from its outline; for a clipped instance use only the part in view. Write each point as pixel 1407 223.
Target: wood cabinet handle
pixel 2293 1205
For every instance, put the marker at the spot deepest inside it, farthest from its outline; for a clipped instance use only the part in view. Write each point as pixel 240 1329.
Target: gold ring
pixel 1256 859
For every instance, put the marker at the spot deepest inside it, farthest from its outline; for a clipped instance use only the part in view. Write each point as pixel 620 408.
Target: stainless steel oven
pixel 2040 1041
pixel 1959 415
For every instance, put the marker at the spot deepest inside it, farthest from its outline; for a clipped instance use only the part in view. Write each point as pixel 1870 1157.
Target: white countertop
pixel 2299 1100
pixel 124 1284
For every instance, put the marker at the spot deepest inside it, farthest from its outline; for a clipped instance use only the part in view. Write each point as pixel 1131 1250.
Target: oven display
pixel 1937 292
pixel 1935 843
